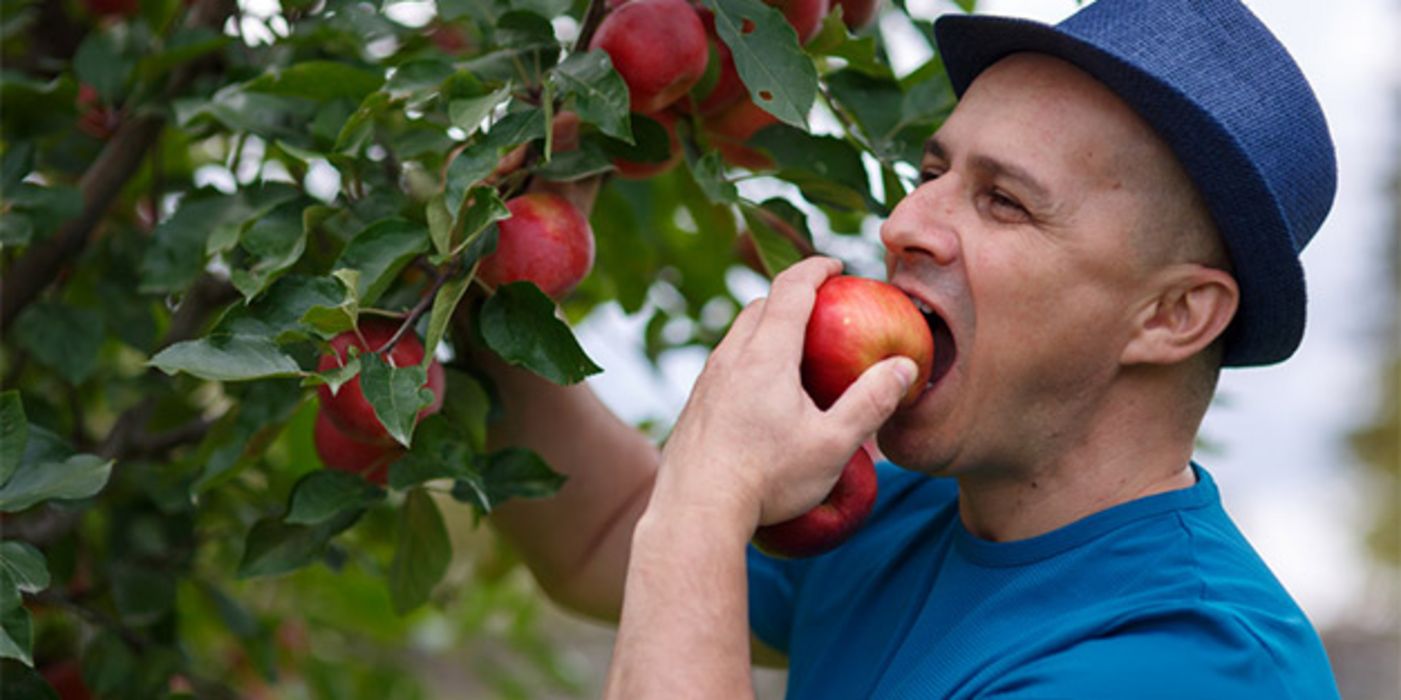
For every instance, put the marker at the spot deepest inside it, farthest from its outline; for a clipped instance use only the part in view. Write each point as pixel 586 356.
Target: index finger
pixel 790 301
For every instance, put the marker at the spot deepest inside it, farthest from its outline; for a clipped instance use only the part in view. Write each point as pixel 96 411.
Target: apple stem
pixel 592 17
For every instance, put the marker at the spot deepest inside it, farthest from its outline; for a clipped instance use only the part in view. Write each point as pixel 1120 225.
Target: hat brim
pixel 1269 322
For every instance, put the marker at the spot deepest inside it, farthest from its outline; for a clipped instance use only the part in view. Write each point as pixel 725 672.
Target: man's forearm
pixel 575 542
pixel 684 631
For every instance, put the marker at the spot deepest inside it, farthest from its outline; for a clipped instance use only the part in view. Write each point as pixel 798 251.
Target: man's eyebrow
pixel 994 167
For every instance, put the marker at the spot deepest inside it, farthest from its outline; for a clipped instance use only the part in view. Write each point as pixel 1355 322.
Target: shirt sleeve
pixel 771 598
pixel 1178 654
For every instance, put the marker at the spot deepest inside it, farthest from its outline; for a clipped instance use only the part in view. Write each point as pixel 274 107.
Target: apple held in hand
pixel 348 409
pixel 832 521
pixel 546 240
pixel 658 47
pixel 370 459
pixel 855 323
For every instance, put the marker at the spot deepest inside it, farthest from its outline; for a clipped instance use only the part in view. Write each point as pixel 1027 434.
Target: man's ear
pixel 1192 306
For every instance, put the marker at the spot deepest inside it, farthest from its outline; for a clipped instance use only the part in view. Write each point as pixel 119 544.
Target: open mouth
pixel 945 349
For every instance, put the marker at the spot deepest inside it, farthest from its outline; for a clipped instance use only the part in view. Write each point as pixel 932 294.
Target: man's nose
pixel 924 224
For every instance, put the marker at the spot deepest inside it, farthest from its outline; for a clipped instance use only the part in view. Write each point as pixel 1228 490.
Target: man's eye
pixel 1006 207
pixel 929 174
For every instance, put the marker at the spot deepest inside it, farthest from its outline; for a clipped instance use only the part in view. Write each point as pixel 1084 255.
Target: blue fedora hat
pixel 1230 102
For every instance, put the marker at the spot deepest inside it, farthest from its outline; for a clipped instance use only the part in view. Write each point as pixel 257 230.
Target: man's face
pixel 1019 239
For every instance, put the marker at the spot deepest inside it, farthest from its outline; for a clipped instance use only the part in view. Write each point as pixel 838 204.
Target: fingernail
pixel 906 370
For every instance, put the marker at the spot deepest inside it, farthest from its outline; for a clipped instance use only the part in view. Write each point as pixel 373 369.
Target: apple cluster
pixel 348 435
pixel 664 48
pixel 855 323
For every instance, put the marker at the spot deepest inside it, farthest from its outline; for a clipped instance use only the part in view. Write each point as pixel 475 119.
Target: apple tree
pixel 252 253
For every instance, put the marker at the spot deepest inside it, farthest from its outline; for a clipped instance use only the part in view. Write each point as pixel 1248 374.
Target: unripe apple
pixel 634 170
pixel 829 523
pixel 340 451
pixel 348 408
pixel 728 130
pixel 658 47
pixel 546 240
pixel 857 13
pixel 855 323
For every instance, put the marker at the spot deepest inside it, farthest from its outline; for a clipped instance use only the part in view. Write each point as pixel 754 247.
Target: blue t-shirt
pixel 1157 598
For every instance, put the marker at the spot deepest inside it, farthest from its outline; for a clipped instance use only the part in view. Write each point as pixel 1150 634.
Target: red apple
pixel 348 408
pixel 832 521
pixel 95 119
pixel 370 459
pixel 855 323
pixel 66 678
pixel 630 170
pixel 658 47
pixel 546 241
pixel 857 13
pixel 805 15
pixel 728 130
pixel 449 39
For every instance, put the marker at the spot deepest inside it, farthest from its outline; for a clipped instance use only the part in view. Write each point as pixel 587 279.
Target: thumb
pixel 874 395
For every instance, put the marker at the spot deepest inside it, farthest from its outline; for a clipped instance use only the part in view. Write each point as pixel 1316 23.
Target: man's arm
pixel 576 542
pixel 750 448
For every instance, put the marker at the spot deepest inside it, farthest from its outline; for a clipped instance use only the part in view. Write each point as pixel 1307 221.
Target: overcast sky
pixel 1278 433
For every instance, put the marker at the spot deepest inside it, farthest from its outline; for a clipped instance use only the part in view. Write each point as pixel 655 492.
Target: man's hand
pixel 750 448
pixel 750 437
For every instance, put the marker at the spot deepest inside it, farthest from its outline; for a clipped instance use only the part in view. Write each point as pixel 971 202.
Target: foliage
pixel 196 197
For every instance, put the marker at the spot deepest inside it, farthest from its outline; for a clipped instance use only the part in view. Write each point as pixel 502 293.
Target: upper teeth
pixel 923 307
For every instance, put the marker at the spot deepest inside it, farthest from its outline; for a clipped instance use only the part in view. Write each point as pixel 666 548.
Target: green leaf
pixel 185 45
pixel 827 169
pixel 62 337
pixel 41 210
pixel 709 174
pixel 79 476
pixel 281 308
pixel 379 252
pixel 274 242
pixel 17 162
pixel 479 159
pixel 599 93
pixel 775 250
pixel 25 566
pixel 331 319
pixel 439 452
pixel 518 323
pixel 14 433
pixel 439 224
pixel 275 547
pixel 422 552
pixel 227 358
pixel 444 304
pixel 322 495
pixel 484 208
pixel 860 53
pixel 518 473
pixel 176 254
pixel 25 683
pixel 17 636
pixel 587 160
pixel 396 393
pixel 335 377
pixel 318 80
pixel 466 408
pixel 99 62
pixel 780 77
pixel 468 114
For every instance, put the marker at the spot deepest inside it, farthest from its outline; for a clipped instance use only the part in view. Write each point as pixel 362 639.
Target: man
pixel 1112 213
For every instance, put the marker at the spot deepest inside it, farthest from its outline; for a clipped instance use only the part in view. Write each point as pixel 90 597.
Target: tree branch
pixel 100 185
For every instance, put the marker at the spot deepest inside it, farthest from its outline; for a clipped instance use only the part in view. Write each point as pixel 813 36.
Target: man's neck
pixel 1121 461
